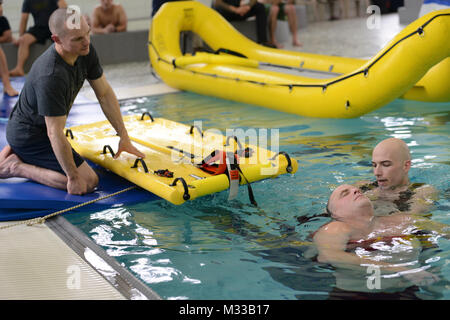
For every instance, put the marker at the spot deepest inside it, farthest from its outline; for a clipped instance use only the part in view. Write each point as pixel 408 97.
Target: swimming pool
pixel 214 249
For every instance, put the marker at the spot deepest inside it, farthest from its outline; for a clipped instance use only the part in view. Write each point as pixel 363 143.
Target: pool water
pixel 211 248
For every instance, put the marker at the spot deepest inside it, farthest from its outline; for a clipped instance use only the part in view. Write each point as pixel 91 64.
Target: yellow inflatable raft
pixel 235 71
pixel 181 162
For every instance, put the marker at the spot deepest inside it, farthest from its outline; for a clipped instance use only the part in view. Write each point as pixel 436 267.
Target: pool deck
pixel 56 261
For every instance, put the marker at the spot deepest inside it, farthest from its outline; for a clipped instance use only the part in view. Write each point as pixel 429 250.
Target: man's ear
pixel 56 39
pixel 407 165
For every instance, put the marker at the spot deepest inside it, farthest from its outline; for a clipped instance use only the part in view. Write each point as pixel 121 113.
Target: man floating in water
pixel 392 191
pixel 354 225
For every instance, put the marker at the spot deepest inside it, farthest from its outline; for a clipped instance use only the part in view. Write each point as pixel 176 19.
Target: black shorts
pixel 44 157
pixel 40 33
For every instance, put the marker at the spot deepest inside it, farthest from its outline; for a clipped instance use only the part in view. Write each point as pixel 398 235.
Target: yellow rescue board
pixel 175 147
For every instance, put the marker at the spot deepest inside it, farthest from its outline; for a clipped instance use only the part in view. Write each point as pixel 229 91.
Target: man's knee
pixel 259 8
pixel 274 9
pixel 27 39
pixel 289 8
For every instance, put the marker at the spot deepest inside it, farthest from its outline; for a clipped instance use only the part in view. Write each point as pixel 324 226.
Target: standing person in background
pixel 281 10
pixel 40 32
pixel 109 17
pixel 5 36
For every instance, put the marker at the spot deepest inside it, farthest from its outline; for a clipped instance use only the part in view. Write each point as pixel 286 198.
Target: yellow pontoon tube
pixel 234 71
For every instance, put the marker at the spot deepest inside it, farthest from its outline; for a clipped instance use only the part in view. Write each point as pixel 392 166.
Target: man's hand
pixel 110 28
pixel 76 185
pixel 126 145
pixel 242 10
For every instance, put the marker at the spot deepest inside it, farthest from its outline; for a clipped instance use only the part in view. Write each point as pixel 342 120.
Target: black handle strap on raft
pixel 246 153
pixel 289 165
pixel 147 114
pixel 191 130
pixel 228 51
pixel 140 160
pixel 235 139
pixel 69 133
pixel 108 148
pixel 186 195
pixel 190 155
pixel 251 196
pixel 208 157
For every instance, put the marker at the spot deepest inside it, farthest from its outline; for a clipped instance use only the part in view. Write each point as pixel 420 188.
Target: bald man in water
pixel 38 149
pixel 392 191
pixel 355 225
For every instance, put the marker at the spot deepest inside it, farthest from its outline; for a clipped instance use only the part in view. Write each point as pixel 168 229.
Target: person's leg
pixel 331 4
pixel 315 7
pixel 292 21
pixel 25 41
pixel 259 10
pixel 12 166
pixel 345 7
pixel 7 87
pixel 273 15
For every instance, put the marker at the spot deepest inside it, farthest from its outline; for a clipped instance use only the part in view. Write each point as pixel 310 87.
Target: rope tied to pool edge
pixel 40 220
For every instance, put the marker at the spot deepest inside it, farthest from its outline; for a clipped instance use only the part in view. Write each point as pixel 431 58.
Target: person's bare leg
pixel 7 87
pixel 26 40
pixel 273 14
pixel 12 166
pixel 292 21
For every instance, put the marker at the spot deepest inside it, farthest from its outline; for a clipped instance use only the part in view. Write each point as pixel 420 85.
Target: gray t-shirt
pixel 50 88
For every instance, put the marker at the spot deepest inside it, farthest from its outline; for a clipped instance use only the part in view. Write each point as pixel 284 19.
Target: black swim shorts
pixel 40 33
pixel 43 156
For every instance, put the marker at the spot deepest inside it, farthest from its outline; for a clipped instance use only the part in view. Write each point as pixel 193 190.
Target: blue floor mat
pixel 25 199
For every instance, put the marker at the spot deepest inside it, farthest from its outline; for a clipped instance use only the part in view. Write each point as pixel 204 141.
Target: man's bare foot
pixel 10 91
pixel 6 151
pixel 297 43
pixel 16 73
pixel 8 167
pixel 277 45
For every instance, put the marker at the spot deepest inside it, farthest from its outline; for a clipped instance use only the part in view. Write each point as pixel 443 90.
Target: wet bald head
pixel 394 147
pixel 391 162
